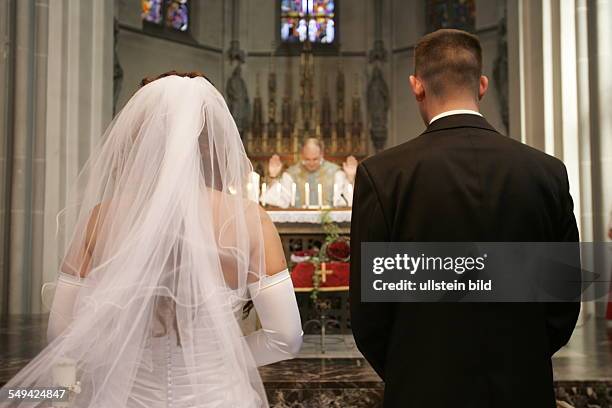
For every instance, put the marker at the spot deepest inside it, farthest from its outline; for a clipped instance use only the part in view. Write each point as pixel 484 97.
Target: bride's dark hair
pixel 193 74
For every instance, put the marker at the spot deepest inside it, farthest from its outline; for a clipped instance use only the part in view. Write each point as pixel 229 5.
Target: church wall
pixel 257 29
pixel 208 22
pixel 142 55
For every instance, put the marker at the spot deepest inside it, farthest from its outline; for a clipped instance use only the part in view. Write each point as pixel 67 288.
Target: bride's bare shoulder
pixel 224 204
pixel 79 256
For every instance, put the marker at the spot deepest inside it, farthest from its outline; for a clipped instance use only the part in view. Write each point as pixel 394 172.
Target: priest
pixel 299 184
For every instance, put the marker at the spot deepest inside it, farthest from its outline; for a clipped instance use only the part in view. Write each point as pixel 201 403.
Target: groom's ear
pixel 417 88
pixel 484 85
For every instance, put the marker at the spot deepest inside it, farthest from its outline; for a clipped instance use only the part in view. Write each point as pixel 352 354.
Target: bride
pixel 165 250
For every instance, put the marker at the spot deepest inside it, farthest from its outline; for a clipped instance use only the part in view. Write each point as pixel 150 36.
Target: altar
pixel 320 280
pixel 308 223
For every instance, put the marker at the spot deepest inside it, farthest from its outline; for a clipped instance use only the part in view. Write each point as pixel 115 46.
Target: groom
pixel 460 181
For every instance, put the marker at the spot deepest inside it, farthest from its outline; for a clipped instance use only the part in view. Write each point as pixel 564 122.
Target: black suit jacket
pixel 461 181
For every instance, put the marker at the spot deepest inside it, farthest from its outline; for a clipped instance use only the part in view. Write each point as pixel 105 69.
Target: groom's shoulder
pixel 396 156
pixel 423 149
pixel 515 154
pixel 533 156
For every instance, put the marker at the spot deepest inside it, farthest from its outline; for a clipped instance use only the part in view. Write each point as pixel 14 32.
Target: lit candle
pixel 254 190
pixel 264 188
pixel 307 194
pixel 320 195
pixel 334 189
pixel 293 193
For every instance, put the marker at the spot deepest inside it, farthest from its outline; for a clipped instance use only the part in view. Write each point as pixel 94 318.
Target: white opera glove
pixel 62 314
pixel 62 308
pixel 280 337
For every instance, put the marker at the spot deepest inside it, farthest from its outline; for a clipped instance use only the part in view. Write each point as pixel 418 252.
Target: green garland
pixel 332 233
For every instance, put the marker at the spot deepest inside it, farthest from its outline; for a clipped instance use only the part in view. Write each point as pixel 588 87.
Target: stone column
pixel 79 104
pixel 23 164
pixel 600 86
pixel 562 60
pixel 584 119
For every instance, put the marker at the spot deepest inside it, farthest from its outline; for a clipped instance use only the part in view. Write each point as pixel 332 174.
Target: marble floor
pixel 341 377
pixel 588 355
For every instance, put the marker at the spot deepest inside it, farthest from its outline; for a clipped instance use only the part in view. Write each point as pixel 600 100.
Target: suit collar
pixel 459 121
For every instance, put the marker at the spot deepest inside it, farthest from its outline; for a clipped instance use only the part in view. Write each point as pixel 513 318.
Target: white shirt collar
pixel 455 112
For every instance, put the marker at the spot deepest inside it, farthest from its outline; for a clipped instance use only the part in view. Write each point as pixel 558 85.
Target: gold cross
pixel 324 272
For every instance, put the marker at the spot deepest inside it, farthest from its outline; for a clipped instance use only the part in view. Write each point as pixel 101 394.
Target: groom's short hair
pixel 449 61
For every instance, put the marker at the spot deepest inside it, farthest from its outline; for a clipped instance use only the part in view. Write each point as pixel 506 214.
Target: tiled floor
pixel 587 357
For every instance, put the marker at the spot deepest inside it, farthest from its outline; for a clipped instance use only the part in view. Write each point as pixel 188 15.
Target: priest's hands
pixel 350 168
pixel 275 166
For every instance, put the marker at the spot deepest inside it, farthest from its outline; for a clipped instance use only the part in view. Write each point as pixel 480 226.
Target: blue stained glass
pixel 308 19
pixel 291 7
pixel 151 11
pixel 177 14
pixel 323 8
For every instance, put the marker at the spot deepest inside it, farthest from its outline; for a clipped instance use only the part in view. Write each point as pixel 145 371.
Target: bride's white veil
pixel 163 239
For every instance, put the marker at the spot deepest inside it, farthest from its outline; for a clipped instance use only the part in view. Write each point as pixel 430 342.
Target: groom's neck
pixel 436 107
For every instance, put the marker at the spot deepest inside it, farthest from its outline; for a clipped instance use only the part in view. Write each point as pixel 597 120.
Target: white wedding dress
pixel 163 250
pixel 165 380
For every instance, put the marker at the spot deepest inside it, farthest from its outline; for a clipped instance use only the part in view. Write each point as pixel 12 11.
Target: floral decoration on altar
pixel 339 250
pixel 326 267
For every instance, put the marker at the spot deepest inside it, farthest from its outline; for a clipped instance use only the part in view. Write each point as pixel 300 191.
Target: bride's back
pixel 162 243
pixel 167 242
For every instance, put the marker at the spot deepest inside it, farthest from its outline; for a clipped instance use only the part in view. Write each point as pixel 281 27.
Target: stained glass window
pixel 308 19
pixel 460 14
pixel 173 14
pixel 177 15
pixel 152 11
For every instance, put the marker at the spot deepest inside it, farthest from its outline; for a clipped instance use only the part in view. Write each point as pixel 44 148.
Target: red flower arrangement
pixel 339 250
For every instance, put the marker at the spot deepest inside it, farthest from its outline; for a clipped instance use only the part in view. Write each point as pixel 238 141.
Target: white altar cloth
pixel 308 216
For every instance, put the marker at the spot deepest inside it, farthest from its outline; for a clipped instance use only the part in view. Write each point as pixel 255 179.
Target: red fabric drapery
pixel 337 274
